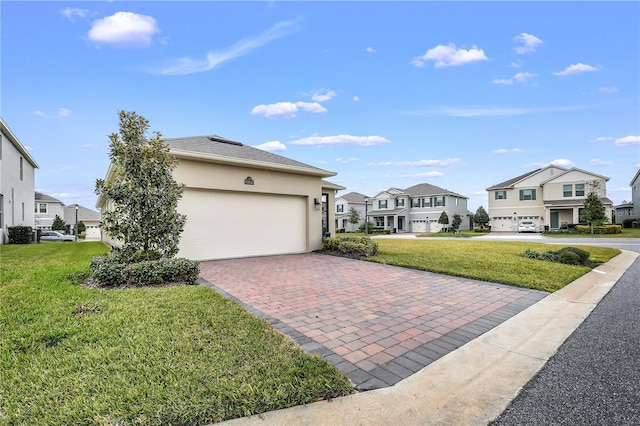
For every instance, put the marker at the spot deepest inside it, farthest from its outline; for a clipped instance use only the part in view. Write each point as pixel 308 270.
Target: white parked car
pixel 527 226
pixel 55 236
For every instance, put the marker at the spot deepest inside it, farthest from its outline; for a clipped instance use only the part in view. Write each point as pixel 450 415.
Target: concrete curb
pixel 475 383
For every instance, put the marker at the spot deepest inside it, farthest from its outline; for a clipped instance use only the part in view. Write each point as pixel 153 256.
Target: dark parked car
pixel 55 236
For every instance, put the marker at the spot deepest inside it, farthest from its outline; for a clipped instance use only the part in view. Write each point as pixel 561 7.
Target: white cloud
pixel 39 113
pixel 423 175
pixel 488 111
pixel 449 56
pixel 576 69
pixel 520 77
pixel 346 160
pixel 504 150
pixel 271 146
pixel 28 148
pixel 599 162
pixel 64 112
pixel 528 43
pixel 370 50
pixel 515 65
pixel 341 140
pixel 608 89
pixel 603 139
pixel 356 99
pixel 420 163
pixel 286 109
pixel 90 146
pixel 124 29
pixel 71 12
pixel 628 141
pixel 318 96
pixel 241 48
pixel 505 82
pixel 563 162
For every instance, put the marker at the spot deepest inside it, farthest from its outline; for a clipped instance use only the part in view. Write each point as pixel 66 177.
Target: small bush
pixel 351 245
pixel 108 271
pixel 583 255
pixel 628 223
pixel 602 229
pixel 20 234
pixel 568 257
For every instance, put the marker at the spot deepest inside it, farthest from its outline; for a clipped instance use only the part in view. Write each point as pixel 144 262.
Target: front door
pixel 554 220
pixel 400 223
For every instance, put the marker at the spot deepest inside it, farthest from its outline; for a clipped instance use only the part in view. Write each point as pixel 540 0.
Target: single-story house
pixel 90 218
pixel 241 201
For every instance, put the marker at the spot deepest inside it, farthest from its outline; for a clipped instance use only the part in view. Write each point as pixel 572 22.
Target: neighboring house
pixel 46 210
pixel 344 203
pixel 241 201
pixel 417 208
pixel 17 181
pixel 635 195
pixel 90 218
pixel 551 197
pixel 621 212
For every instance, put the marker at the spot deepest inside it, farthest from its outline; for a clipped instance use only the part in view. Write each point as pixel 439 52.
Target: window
pixel 440 201
pixel 501 195
pixel 527 194
pixel 41 207
pixel 567 190
pixel 415 202
pixel 21 167
pixel 399 202
pixel 382 204
pixel 427 202
pixel 23 212
pixel 579 189
pixel 379 221
pixel 344 223
pixel 340 208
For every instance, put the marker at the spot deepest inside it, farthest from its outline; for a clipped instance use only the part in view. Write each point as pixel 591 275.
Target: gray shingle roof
pixel 510 182
pixel 354 197
pixel 423 189
pixel 574 202
pixel 84 214
pixel 217 146
pixel 46 198
pixel 331 185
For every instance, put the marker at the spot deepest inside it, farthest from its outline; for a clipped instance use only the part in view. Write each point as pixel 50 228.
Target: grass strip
pixel 494 261
pixel 152 356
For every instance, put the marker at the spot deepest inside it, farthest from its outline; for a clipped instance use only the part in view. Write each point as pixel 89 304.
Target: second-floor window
pixel 415 202
pixel 527 194
pixel 340 208
pixel 21 168
pixel 399 202
pixel 427 202
pixel 567 190
pixel 439 201
pixel 382 204
pixel 579 189
pixel 41 207
pixel 501 195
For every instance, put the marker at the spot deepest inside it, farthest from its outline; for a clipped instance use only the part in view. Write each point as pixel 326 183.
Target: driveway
pixel 378 324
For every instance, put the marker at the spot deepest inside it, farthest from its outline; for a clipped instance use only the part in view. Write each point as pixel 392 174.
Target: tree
pixel 354 216
pixel 456 222
pixel 481 217
pixel 444 219
pixel 593 210
pixel 81 227
pixel 142 191
pixel 58 224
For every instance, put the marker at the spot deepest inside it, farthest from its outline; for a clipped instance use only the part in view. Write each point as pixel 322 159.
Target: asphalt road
pixel 594 378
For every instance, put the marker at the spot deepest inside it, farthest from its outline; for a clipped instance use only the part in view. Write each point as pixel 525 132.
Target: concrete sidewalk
pixel 473 384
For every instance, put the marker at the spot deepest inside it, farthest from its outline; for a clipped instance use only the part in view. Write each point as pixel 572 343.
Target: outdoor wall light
pixel 317 203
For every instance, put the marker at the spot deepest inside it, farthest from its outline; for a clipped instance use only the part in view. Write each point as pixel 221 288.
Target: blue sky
pixel 462 95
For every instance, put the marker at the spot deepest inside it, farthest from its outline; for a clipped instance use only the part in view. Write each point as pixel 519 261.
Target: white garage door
pixel 230 224
pixel 418 226
pixel 504 224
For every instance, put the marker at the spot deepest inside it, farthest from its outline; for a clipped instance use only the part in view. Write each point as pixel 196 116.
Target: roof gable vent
pixel 223 140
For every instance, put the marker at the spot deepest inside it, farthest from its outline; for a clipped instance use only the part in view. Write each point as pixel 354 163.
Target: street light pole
pixel 366 219
pixel 76 230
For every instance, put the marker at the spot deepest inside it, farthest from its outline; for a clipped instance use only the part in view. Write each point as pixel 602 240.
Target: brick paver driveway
pixel 376 323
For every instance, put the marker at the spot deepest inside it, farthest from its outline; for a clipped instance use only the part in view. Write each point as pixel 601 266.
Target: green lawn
pixel 625 233
pixel 152 356
pixel 495 261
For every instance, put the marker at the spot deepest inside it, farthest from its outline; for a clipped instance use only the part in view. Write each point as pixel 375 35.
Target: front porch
pixel 393 220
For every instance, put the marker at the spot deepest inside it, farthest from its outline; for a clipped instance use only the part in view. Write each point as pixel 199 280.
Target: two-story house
pixel 552 197
pixel 90 218
pixel 46 209
pixel 345 203
pixel 417 208
pixel 17 182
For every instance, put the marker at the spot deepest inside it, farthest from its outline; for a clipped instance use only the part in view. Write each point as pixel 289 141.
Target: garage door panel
pixel 229 224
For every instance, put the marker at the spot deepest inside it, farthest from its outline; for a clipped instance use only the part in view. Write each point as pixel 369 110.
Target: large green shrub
pixel 568 255
pixel 351 245
pixel 108 271
pixel 569 258
pixel 20 234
